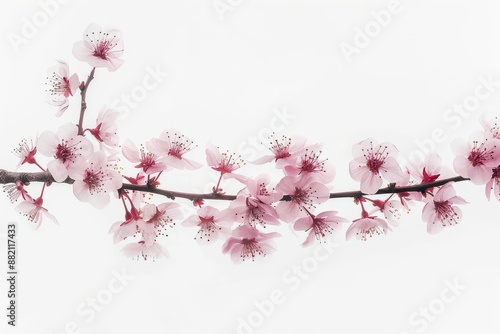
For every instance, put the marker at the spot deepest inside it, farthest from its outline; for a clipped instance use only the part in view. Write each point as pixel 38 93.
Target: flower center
pixel 445 213
pixel 480 154
pixel 310 163
pixel 93 179
pixel 250 249
pixel 65 152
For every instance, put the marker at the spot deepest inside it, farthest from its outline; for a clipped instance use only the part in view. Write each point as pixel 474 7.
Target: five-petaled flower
pixel 34 211
pixel 371 162
pixel 100 47
pixel 367 227
pixel 150 163
pixel 94 180
pixel 68 149
pixel 61 85
pixel 477 157
pixel 213 224
pixel 442 211
pixel 285 150
pixel 247 242
pixel 171 146
pixel 319 226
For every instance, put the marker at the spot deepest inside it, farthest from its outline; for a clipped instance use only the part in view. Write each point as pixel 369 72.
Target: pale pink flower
pixel 367 227
pixel 476 158
pixel 105 131
pixel 247 242
pixel 373 161
pixel 26 153
pixel 171 146
pixel 442 211
pixel 34 211
pixel 128 228
pixel 212 223
pixel 225 163
pixel 143 249
pixel 100 47
pixel 494 184
pixel 285 150
pixel 149 162
pixel 156 219
pixel 319 226
pixel 390 208
pixel 303 194
pixel 309 163
pixel 253 204
pixel 61 86
pixel 94 180
pixel 16 190
pixel 67 148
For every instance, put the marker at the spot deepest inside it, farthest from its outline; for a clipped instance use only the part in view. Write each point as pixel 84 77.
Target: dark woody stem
pixel 12 177
pixel 83 93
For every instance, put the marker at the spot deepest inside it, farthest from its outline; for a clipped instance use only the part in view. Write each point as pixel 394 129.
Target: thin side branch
pixel 12 177
pixel 83 93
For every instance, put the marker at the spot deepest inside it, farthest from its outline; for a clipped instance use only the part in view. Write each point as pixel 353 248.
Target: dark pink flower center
pixel 375 159
pixel 179 145
pixel 101 50
pixel 310 163
pixel 94 180
pixel 480 154
pixel 66 152
pixel 207 227
pixel 148 160
pixel 228 164
pixel 58 85
pixel 280 149
pixel 250 249
pixel 445 213
pixel 320 228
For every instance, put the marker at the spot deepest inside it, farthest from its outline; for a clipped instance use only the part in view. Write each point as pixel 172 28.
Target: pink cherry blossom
pixel 371 162
pixel 100 47
pixel 67 148
pixel 310 163
pixel 304 193
pixel 34 211
pixel 285 150
pixel 390 208
pixel 212 223
pixel 442 211
pixel 171 146
pixel 253 204
pixel 61 86
pixel 94 180
pixel 225 163
pixel 319 226
pixel 128 228
pixel 247 242
pixel 16 190
pixel 144 250
pixel 106 132
pixel 476 158
pixel 26 153
pixel 494 184
pixel 149 162
pixel 156 219
pixel 367 227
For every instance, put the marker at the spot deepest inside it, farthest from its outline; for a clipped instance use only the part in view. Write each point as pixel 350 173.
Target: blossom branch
pixel 12 177
pixel 83 93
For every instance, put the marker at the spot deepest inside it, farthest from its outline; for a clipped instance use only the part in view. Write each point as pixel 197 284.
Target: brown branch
pixel 83 94
pixel 12 177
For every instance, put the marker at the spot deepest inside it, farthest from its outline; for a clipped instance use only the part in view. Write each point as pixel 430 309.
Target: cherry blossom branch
pixel 83 93
pixel 12 177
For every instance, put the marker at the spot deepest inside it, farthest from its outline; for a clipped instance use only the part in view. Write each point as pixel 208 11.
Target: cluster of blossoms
pixel 88 158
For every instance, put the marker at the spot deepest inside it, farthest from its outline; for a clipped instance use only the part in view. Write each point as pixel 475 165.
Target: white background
pixel 227 77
